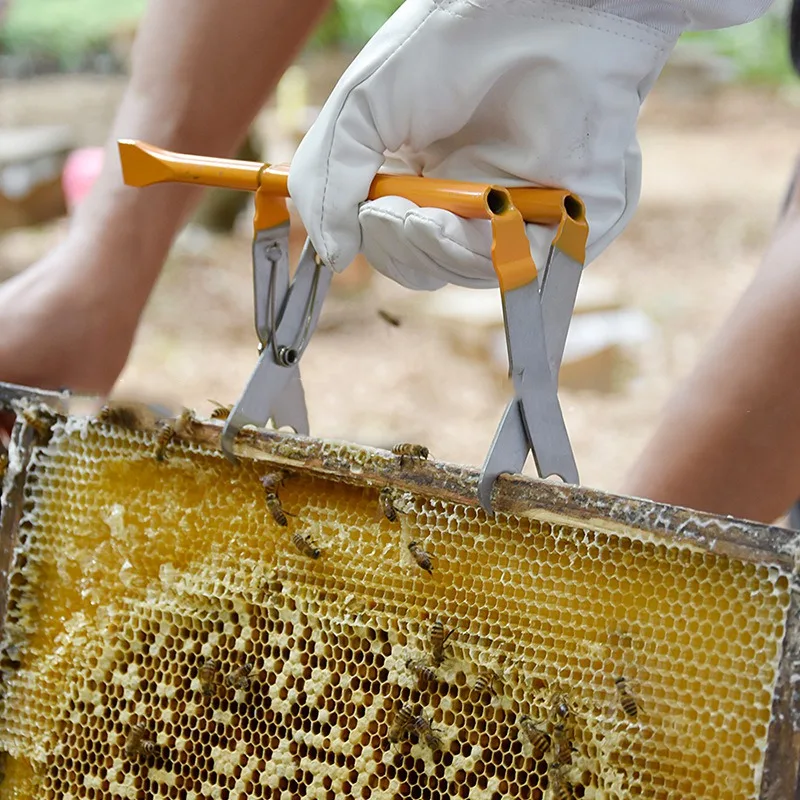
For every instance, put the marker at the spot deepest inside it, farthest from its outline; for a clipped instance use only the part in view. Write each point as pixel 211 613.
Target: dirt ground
pixel 716 166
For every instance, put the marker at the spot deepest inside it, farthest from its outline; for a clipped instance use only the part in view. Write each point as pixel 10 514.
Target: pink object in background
pixel 81 170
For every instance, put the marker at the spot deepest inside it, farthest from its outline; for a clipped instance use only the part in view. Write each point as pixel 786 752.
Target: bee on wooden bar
pixel 207 675
pixel 410 451
pixel 240 677
pixel 421 557
pixel 560 787
pixel 163 439
pixel 540 741
pixel 137 743
pixel 438 642
pixel 169 430
pixel 306 545
pixel 3 462
pixel 425 731
pixel 630 705
pixel 220 411
pixel 424 673
pixel 402 724
pixel 130 416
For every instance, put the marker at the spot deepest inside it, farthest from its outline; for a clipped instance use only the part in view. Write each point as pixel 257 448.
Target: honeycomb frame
pixel 536 506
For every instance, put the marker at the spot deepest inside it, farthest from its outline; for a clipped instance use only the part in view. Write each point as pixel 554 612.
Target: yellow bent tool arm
pixel 144 164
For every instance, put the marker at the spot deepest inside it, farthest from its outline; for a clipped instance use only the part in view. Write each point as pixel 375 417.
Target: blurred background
pixel 719 141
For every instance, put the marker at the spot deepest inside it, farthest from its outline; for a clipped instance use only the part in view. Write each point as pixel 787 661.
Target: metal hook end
pixel 228 439
pixel 485 487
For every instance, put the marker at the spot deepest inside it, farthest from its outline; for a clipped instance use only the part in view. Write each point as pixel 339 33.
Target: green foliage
pixel 64 28
pixel 351 23
pixel 759 51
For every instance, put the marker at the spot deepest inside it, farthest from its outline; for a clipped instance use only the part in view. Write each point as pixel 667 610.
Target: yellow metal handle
pixel 143 165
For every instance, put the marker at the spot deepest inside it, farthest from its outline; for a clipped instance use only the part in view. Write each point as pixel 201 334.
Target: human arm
pixel 728 441
pixel 199 74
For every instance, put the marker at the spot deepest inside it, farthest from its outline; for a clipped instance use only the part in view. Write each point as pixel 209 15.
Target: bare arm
pixel 729 440
pixel 200 73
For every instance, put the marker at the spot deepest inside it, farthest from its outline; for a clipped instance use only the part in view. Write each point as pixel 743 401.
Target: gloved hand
pixel 512 92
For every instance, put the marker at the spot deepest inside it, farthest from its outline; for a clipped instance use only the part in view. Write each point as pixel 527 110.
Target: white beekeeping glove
pixel 512 92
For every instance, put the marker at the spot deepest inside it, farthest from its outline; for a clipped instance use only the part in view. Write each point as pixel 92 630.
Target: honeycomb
pixel 168 638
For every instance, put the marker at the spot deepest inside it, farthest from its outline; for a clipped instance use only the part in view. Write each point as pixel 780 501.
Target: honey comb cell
pixel 163 598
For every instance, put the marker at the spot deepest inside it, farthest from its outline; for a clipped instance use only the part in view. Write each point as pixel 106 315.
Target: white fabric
pixel 505 91
pixel 674 16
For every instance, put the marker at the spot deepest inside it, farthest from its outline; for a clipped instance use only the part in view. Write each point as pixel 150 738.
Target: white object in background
pixel 624 327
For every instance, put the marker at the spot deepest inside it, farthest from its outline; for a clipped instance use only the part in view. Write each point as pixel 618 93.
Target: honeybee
pixel 560 711
pixel 425 731
pixel 3 462
pixel 393 502
pixel 207 675
pixel 421 557
pixel 560 787
pixel 40 420
pixel 240 677
pixel 410 451
pixel 276 509
pixel 306 545
pixel 386 498
pixel 165 436
pixel 438 642
pixel 540 741
pixel 562 747
pixel 403 722
pixel 424 673
pixel 485 683
pixel 220 411
pixel 630 705
pixel 272 480
pixel 169 430
pixel 131 416
pixel 137 743
pixel 387 316
pixel 561 714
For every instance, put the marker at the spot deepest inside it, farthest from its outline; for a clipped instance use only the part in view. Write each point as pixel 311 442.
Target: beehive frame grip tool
pixel 285 313
pixel 537 307
pixel 537 310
